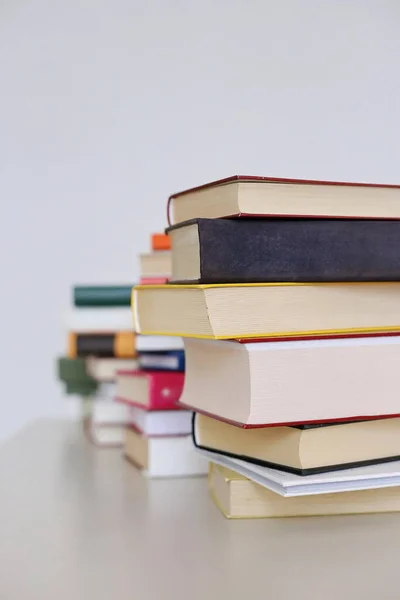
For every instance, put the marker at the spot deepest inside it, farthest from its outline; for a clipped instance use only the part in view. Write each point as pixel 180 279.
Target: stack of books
pixel 158 440
pixel 155 266
pixel 291 327
pixel 100 341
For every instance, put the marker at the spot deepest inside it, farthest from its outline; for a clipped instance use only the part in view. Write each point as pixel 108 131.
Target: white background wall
pixel 107 107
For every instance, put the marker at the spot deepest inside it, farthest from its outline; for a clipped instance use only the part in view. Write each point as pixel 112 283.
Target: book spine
pixel 119 345
pixel 165 390
pixel 162 361
pixel 91 296
pixel 153 280
pixel 316 250
pixel 160 241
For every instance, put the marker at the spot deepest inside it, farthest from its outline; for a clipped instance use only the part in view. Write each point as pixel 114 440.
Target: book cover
pixel 153 280
pixel 240 498
pixel 105 319
pixel 286 250
pixel 163 391
pixel 173 360
pixel 291 485
pixel 160 241
pixel 303 472
pixel 267 310
pixel 102 295
pixel 276 180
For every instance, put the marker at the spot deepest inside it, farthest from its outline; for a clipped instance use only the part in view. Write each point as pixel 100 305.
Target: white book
pixel 107 411
pixel 161 422
pixel 146 343
pixel 99 319
pixel 106 391
pixel 288 485
pixel 293 381
pixel 107 435
pixel 164 456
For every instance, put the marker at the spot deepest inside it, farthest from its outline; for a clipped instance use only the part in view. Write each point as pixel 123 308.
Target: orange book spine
pixel 160 241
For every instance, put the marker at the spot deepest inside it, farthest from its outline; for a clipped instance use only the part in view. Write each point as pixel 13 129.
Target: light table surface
pixel 80 523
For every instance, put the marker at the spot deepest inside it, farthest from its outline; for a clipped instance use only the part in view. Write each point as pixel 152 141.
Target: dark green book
pixel 102 295
pixel 72 372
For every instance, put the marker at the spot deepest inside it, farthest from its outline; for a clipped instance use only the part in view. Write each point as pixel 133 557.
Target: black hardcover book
pixel 284 250
pixel 104 345
pixel 290 469
pixel 98 345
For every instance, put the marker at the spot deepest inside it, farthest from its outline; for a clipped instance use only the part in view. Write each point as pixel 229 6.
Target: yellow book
pixel 266 310
pixel 239 498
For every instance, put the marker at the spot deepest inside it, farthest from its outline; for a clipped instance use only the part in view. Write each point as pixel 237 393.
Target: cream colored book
pixel 105 369
pixel 244 195
pixel 239 498
pixel 266 309
pixel 156 264
pixel 304 449
pixel 293 381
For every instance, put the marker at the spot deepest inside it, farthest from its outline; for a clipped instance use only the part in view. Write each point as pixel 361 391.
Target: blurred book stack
pixel 158 440
pixel 100 341
pixel 291 328
pixel 155 266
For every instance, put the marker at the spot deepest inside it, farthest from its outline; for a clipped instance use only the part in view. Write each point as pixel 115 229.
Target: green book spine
pixel 102 295
pixel 72 372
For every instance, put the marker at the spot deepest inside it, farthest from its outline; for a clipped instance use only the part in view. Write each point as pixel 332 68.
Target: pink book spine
pixel 153 280
pixel 165 390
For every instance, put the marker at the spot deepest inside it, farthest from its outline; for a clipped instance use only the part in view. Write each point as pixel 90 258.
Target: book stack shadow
pixel 100 341
pixel 291 325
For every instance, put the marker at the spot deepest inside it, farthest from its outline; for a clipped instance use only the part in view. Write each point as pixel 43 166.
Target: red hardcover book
pixel 252 196
pixel 152 390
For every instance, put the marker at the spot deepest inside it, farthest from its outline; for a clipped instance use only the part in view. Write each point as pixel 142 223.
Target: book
pixel 289 484
pixel 285 250
pixel 106 433
pixel 156 264
pixel 120 344
pixel 244 195
pixel 106 390
pixel 102 295
pixel 160 241
pixel 79 388
pixel 174 360
pixel 164 343
pixel 293 382
pixel 153 390
pixel 240 498
pixel 161 422
pixel 105 369
pixel 266 310
pixel 169 456
pixel 98 319
pixel 153 280
pixel 73 369
pixel 107 420
pixel 73 373
pixel 304 449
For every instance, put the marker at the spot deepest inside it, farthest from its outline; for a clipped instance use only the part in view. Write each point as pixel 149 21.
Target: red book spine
pixel 165 390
